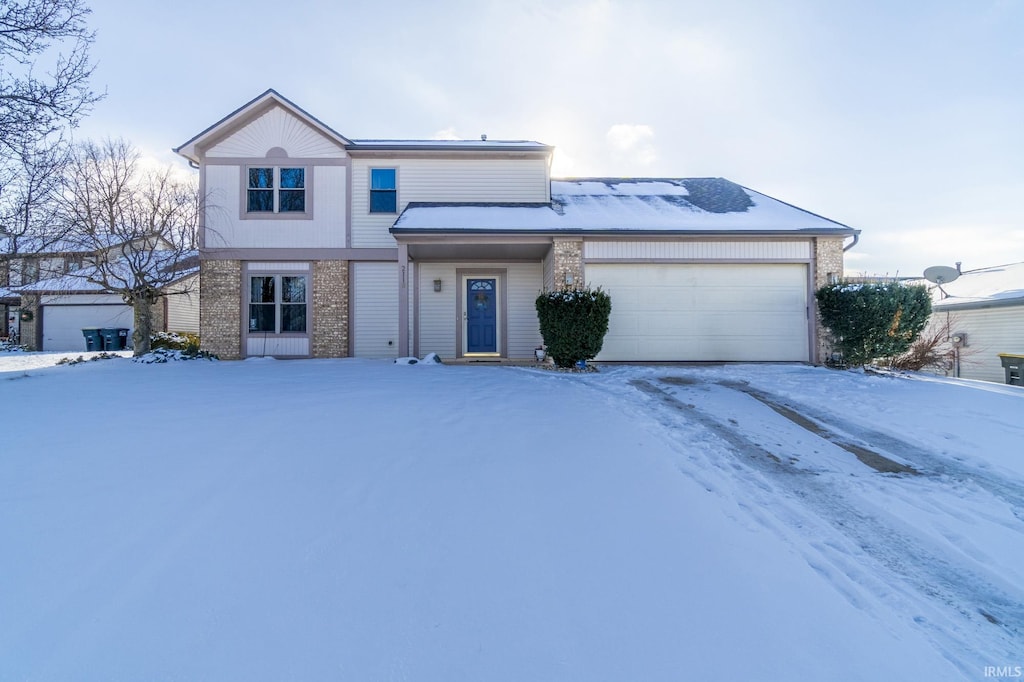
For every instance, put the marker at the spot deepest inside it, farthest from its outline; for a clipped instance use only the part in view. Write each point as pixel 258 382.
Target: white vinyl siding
pixel 702 250
pixel 549 270
pixel 442 180
pixel 524 284
pixel 183 308
pixel 276 128
pixel 436 313
pixel 440 322
pixel 990 331
pixel 732 312
pixel 325 196
pixel 267 345
pixel 375 310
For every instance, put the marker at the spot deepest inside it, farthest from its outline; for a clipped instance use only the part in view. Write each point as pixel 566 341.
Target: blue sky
pixel 902 119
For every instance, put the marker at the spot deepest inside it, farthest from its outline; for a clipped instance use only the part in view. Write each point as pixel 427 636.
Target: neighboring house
pixel 985 311
pixel 29 260
pixel 316 245
pixel 61 307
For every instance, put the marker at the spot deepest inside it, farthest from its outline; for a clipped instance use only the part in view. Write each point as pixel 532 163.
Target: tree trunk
pixel 141 338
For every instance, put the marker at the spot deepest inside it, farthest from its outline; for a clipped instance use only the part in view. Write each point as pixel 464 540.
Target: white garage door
pixel 63 324
pixel 663 312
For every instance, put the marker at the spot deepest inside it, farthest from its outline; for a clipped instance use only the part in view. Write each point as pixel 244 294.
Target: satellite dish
pixel 941 274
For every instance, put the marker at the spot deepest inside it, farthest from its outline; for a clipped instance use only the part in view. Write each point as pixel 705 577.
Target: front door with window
pixel 481 315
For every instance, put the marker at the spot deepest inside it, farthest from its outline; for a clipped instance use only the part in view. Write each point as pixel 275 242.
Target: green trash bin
pixel 93 338
pixel 114 338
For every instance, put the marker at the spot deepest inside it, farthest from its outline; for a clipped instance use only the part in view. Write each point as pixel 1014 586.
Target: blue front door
pixel 481 316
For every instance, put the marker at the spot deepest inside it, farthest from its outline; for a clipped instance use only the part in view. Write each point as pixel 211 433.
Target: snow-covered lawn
pixel 361 520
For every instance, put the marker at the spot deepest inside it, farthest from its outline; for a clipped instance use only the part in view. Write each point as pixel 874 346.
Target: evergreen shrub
pixel 873 320
pixel 573 323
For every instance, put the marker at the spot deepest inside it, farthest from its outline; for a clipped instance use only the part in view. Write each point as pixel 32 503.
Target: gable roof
pixel 625 205
pixel 70 243
pixel 261 104
pixel 991 287
pixel 247 112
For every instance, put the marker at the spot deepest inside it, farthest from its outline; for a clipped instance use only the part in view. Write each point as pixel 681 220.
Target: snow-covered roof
pixel 35 246
pixel 601 205
pixel 162 263
pixel 985 287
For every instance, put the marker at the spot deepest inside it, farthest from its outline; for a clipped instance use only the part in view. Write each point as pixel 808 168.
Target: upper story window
pixel 383 191
pixel 276 189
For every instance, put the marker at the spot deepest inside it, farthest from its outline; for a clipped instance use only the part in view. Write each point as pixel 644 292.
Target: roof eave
pixel 626 232
pixel 942 306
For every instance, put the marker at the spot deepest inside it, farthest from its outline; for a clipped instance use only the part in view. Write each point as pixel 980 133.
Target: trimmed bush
pixel 874 320
pixel 573 323
pixel 183 341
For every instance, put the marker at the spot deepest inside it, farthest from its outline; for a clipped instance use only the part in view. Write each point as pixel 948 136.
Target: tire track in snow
pixel 924 460
pixel 922 576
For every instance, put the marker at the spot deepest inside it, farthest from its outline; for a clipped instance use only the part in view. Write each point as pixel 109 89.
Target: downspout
pixel 856 238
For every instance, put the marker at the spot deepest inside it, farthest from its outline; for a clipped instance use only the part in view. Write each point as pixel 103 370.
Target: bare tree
pixel 142 222
pixel 44 69
pixel 44 90
pixel 30 190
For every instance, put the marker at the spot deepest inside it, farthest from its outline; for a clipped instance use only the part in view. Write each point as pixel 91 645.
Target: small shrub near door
pixel 573 323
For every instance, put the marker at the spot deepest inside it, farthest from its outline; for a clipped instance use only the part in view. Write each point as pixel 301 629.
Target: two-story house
pixel 316 245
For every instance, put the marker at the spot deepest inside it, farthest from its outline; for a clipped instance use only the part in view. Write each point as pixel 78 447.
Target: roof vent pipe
pixel 483 137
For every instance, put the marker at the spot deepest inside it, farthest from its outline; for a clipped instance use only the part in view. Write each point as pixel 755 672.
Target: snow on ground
pixel 356 519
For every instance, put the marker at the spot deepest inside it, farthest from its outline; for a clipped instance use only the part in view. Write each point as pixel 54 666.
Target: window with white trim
pixel 276 189
pixel 278 304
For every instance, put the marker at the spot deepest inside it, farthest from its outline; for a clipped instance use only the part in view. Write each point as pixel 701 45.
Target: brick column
pixel 30 330
pixel 220 306
pixel 828 260
pixel 330 309
pixel 568 260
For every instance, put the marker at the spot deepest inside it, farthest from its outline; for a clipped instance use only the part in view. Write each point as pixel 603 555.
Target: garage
pixel 705 312
pixel 63 322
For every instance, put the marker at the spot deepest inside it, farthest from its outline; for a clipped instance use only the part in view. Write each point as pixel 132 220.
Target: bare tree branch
pixel 45 68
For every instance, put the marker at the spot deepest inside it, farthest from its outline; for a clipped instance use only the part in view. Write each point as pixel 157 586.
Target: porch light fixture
pixel 437 285
pixel 568 278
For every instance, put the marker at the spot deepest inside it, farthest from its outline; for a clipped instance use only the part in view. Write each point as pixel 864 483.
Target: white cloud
pixel 446 134
pixel 633 141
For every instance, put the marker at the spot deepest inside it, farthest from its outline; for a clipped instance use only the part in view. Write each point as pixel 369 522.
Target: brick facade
pixel 568 260
pixel 330 309
pixel 30 330
pixel 828 259
pixel 220 315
